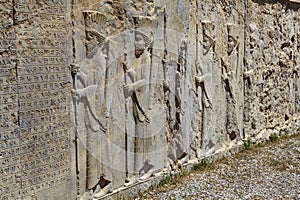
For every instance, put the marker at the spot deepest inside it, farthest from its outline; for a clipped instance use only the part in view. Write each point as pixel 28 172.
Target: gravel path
pixel 268 172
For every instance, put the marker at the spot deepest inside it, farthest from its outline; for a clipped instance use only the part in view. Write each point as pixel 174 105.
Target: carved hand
pixel 78 94
pixel 81 75
pixel 199 79
pixel 129 89
pixel 74 68
pixel 166 84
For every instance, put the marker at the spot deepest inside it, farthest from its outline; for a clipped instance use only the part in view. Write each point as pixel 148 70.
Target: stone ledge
pixel 129 192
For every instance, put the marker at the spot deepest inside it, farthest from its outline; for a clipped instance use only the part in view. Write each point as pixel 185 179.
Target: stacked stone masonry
pixel 96 96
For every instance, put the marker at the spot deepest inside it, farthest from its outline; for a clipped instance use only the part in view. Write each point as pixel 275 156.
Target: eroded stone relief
pixel 101 96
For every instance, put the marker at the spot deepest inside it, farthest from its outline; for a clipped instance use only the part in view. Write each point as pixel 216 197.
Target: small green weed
pixel 165 181
pixel 248 144
pixel 204 164
pixel 273 137
pixel 274 162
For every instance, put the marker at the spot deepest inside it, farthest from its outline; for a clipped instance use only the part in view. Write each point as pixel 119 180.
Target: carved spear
pixel 126 117
pixel 73 73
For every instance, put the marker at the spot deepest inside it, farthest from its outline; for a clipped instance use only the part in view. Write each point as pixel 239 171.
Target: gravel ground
pixel 268 172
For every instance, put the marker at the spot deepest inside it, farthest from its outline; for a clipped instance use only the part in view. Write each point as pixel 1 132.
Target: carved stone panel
pixel 97 97
pixel 35 127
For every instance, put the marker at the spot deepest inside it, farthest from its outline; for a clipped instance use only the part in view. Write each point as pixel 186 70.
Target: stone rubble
pixel 269 172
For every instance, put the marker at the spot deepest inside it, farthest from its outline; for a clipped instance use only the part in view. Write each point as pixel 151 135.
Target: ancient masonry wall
pixel 98 96
pixel 35 120
pixel 272 70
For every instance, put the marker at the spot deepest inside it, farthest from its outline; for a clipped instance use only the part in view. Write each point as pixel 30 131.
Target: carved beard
pixel 138 52
pixel 206 49
pixel 230 49
pixel 91 49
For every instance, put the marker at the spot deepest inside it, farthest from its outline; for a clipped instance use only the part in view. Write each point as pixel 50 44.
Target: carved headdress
pixel 94 19
pixel 145 27
pixel 95 23
pixel 207 27
pixel 145 37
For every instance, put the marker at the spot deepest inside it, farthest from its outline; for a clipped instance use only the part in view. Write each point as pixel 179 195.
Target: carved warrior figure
pixel 98 155
pixel 138 88
pixel 228 75
pixel 204 86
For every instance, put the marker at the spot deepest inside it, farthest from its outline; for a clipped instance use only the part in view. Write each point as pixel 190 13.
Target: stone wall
pixel 272 68
pixel 35 94
pixel 98 96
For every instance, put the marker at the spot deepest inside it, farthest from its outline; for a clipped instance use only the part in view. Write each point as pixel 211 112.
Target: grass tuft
pixel 204 164
pixel 273 137
pixel 248 144
pixel 165 180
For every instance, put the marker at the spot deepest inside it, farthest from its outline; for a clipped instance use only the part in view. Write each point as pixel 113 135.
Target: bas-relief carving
pixel 146 114
pixel 94 156
pixel 144 118
pixel 138 90
pixel 229 78
pixel 205 86
pixel 138 108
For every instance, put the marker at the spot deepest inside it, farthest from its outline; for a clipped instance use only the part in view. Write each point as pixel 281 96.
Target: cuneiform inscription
pixel 42 95
pixel 46 183
pixel 49 130
pixel 43 103
pixel 44 111
pixel 34 87
pixel 8 80
pixel 7 108
pixel 9 161
pixel 42 61
pixel 38 87
pixel 40 120
pixel 8 71
pixel 42 52
pixel 45 160
pixel 10 135
pixel 48 2
pixel 10 98
pixel 33 9
pixel 8 34
pixel 39 78
pixel 42 69
pixel 44 152
pixel 7 61
pixel 46 168
pixel 5 44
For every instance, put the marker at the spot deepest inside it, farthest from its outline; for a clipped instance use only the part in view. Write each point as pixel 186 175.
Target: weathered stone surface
pixel 97 96
pixel 35 121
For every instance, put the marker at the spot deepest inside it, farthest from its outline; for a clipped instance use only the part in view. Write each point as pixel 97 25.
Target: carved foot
pixel 107 189
pixel 147 175
pixel 131 180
